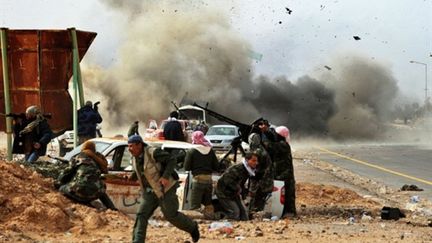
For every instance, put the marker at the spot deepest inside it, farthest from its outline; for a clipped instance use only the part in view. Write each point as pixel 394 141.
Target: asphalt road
pixel 392 164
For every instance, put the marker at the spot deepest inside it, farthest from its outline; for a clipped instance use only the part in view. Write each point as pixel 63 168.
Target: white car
pixel 65 142
pixel 125 194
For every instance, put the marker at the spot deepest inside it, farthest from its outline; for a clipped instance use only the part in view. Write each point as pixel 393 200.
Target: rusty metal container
pixel 40 67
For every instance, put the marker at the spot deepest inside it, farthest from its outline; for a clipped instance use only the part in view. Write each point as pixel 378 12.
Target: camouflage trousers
pixel 169 206
pixel 260 190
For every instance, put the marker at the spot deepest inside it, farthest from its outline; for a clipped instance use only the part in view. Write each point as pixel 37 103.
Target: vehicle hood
pixel 219 137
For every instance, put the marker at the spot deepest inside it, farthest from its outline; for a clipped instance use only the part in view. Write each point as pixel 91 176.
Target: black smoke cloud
pixel 305 106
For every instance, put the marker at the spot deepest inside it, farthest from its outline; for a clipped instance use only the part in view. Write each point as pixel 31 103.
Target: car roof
pixel 224 126
pixel 122 141
pixel 152 142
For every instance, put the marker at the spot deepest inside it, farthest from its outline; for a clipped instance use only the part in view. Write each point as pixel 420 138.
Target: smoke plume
pixel 365 94
pixel 170 51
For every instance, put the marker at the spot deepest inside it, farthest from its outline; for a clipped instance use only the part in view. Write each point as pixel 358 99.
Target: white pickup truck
pixel 125 194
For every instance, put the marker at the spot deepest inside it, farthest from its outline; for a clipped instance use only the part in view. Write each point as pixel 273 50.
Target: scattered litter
pixel 289 11
pixel 366 218
pixel 356 38
pixel 411 206
pixel 414 199
pixel 328 68
pixel 410 188
pixel 351 220
pixel 388 213
pixel 155 223
pixel 274 218
pixel 223 227
pixel 240 238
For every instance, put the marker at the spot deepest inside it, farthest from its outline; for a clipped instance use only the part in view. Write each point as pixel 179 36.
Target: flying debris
pixel 356 38
pixel 289 11
pixel 328 68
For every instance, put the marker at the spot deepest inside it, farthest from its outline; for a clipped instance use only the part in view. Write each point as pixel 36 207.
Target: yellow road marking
pixel 376 166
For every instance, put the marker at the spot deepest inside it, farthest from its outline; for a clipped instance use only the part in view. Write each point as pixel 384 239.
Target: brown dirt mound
pixel 322 195
pixel 30 205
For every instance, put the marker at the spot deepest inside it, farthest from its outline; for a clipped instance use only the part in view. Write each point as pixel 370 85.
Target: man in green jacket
pixel 231 186
pixel 154 168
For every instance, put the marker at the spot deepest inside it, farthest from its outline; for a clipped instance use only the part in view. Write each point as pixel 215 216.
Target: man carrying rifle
pixel 32 134
pixel 88 118
pixel 262 183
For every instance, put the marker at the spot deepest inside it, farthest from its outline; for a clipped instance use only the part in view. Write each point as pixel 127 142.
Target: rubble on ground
pixel 31 210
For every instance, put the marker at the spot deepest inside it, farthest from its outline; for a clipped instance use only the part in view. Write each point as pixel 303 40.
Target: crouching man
pixel 154 168
pixel 81 181
pixel 230 187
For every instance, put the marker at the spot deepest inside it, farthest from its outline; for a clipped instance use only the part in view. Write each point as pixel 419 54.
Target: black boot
pixel 195 233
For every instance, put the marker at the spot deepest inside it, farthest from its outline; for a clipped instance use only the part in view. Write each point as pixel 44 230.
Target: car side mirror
pixel 110 164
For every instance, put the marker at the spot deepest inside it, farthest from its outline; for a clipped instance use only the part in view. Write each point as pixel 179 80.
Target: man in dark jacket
pixel 173 129
pixel 202 162
pixel 133 129
pixel 231 186
pixel 154 168
pixel 284 170
pixel 34 135
pixel 88 118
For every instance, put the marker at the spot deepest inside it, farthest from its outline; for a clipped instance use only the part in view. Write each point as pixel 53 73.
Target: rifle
pixel 182 114
pixel 23 116
pixel 244 130
pixel 58 158
pixel 14 115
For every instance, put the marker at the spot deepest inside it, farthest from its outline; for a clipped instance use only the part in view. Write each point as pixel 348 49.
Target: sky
pixel 292 44
pixel 294 62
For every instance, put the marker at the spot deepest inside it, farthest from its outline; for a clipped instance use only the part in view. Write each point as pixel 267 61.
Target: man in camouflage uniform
pixel 262 183
pixel 231 187
pixel 154 168
pixel 284 170
pixel 82 181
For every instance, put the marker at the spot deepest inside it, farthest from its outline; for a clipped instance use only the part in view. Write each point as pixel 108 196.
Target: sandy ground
pixel 327 197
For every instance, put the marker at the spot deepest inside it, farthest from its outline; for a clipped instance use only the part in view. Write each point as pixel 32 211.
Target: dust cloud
pixel 365 92
pixel 167 53
pixel 171 52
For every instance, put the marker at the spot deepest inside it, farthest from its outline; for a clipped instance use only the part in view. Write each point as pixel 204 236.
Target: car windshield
pixel 226 131
pixel 100 147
